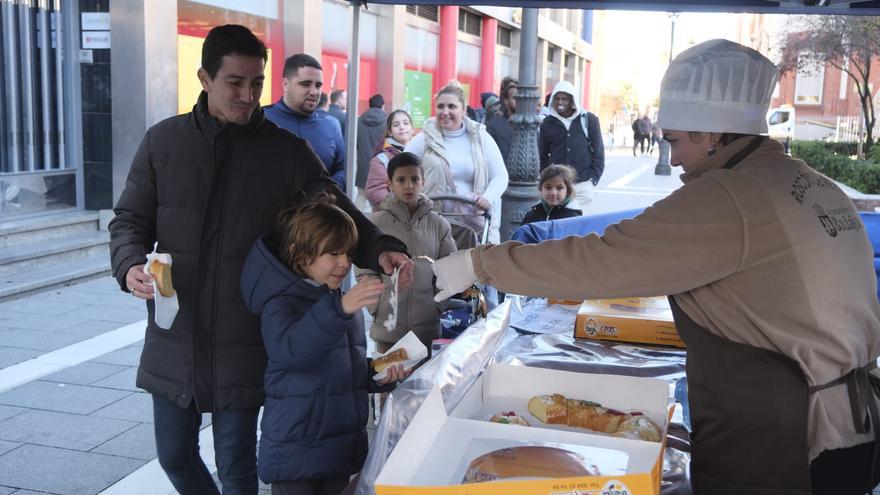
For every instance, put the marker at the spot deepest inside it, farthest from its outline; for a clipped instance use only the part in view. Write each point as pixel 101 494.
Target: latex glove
pixel 454 273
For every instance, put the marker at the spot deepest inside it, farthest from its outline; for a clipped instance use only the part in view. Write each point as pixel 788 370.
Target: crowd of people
pixel 250 204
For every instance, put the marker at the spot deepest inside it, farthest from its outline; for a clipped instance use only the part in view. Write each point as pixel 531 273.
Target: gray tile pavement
pixel 107 313
pixel 61 397
pixel 6 490
pixel 7 412
pixel 14 355
pixel 71 472
pixel 85 373
pixel 90 328
pixel 136 443
pixel 136 407
pixel 7 446
pixel 34 321
pixel 35 339
pixel 124 380
pixel 68 431
pixel 127 356
pixel 39 306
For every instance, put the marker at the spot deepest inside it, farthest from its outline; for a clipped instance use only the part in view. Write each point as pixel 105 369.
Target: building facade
pixel 75 112
pixel 824 97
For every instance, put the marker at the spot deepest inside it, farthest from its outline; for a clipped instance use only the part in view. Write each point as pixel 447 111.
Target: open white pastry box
pixel 435 453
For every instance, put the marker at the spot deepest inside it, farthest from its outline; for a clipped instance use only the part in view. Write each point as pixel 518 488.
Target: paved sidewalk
pixel 71 419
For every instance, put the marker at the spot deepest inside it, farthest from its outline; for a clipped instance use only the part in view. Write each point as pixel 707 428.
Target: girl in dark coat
pixel 318 375
pixel 557 192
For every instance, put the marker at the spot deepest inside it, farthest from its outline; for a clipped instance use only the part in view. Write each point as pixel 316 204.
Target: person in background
pixel 408 214
pixel 645 125
pixel 544 110
pixel 459 157
pixel 337 109
pixel 638 137
pixel 770 276
pixel 323 102
pixel 482 111
pixel 398 132
pixel 204 186
pixel 370 134
pixel 318 376
pixel 557 192
pixel 493 108
pixel 573 136
pixel 296 112
pixel 656 136
pixel 498 125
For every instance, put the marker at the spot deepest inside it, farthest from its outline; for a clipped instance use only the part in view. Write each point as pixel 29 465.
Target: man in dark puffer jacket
pixel 205 185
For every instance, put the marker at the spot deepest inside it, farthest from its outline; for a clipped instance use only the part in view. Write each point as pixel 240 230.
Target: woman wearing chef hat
pixel 771 280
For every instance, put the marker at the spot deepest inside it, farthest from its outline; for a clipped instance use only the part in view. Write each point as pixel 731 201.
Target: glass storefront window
pixel 196 18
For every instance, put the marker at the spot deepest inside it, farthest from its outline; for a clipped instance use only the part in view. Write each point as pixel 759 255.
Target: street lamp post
pixel 663 167
pixel 522 164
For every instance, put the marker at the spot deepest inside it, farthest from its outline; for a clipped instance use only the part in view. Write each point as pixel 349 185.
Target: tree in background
pixel 848 43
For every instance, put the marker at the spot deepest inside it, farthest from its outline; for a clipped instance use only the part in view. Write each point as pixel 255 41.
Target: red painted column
pixel 487 55
pixel 448 40
pixel 586 101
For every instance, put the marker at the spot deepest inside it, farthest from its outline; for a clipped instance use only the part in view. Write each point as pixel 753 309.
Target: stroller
pixel 469 306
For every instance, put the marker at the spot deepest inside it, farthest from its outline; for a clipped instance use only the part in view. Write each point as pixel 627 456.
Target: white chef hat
pixel 717 86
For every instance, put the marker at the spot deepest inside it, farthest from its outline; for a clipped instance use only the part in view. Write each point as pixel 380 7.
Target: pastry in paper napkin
pixel 165 297
pixel 415 352
pixel 391 323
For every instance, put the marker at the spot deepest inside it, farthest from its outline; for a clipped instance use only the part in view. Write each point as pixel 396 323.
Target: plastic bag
pixel 166 307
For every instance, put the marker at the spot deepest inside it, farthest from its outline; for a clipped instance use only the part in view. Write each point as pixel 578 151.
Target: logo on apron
pixel 825 220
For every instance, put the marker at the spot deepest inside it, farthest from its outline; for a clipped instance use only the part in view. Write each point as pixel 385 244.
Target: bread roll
pixel 592 416
pixel 556 409
pixel 509 418
pixel 550 409
pixel 530 461
pixel 638 427
pixel 161 273
pixel 381 363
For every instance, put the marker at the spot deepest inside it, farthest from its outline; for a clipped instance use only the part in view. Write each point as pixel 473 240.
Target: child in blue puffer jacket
pixel 318 376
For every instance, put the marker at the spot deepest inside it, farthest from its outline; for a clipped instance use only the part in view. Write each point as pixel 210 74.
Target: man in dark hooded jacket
pixel 570 135
pixel 203 186
pixel 370 133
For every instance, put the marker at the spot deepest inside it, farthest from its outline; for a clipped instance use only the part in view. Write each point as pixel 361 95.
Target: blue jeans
pixel 235 447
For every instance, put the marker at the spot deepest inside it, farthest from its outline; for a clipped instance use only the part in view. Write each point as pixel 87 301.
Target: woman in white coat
pixel 460 157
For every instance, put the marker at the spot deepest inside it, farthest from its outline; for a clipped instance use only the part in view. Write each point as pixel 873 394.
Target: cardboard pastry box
pixel 639 320
pixel 437 448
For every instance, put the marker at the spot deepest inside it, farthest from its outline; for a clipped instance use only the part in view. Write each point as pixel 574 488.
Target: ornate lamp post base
pixel 523 163
pixel 663 167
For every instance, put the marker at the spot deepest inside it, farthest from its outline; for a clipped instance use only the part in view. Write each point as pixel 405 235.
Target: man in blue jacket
pixel 296 112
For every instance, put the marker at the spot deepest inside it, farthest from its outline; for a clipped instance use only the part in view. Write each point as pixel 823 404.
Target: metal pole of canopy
pixel 522 162
pixel 354 62
pixel 351 113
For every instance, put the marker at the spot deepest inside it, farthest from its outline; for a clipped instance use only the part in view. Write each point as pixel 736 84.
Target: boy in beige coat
pixel 407 214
